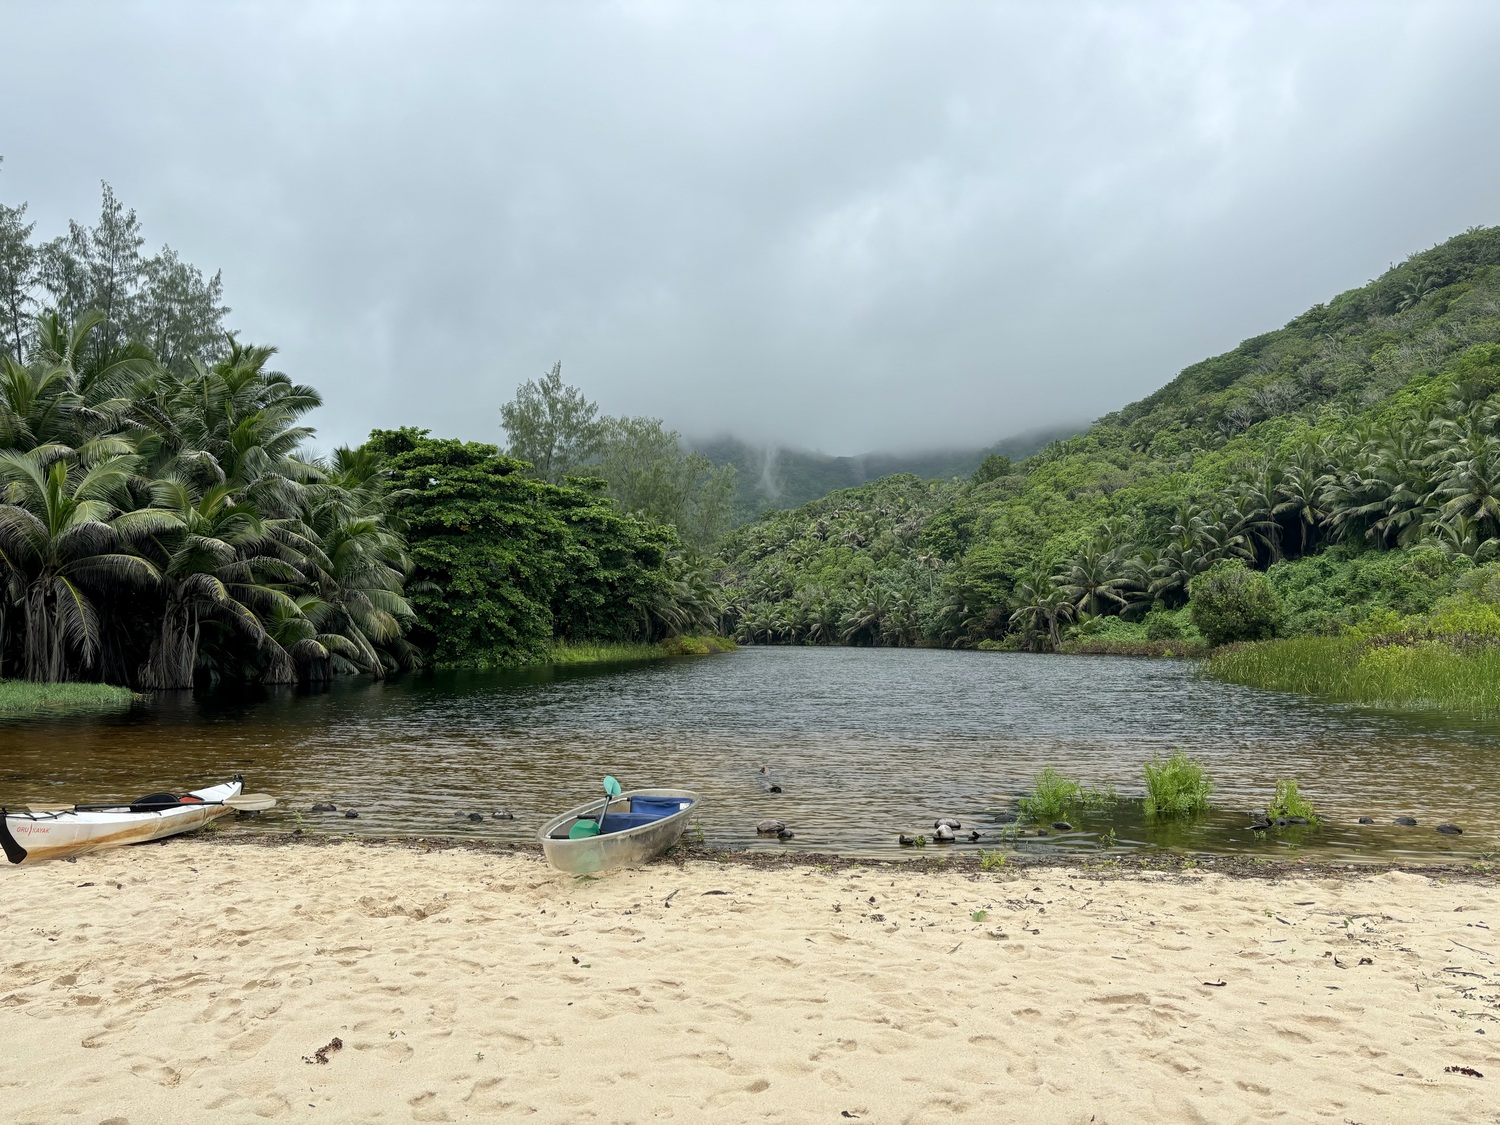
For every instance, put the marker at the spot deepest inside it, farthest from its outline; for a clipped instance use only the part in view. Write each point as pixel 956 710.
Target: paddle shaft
pixel 612 789
pixel 250 802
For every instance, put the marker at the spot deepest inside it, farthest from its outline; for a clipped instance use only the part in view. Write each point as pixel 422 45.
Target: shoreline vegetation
pixel 1446 659
pixel 20 697
pixel 1422 675
pixel 604 652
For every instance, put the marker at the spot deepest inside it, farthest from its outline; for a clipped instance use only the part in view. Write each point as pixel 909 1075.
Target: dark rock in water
pixel 946 822
pixel 322 807
pixel 1062 826
pixel 1450 830
pixel 503 815
pixel 1282 822
pixel 1260 824
pixel 973 837
pixel 475 817
pixel 771 827
pixel 1296 820
pixel 785 834
pixel 351 815
pixel 1041 832
pixel 906 841
pixel 942 833
pixel 1405 822
pixel 1367 820
pixel 774 789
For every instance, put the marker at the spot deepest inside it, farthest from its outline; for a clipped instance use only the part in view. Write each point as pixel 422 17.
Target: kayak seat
pixel 154 802
pixel 656 807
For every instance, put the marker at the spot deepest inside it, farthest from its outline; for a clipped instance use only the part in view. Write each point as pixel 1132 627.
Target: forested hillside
pixel 1351 456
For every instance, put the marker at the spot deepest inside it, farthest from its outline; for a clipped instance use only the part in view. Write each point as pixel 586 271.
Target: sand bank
pixel 189 982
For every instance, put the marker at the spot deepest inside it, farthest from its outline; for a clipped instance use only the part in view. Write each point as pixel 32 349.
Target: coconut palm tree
pixel 1469 484
pixel 216 565
pixel 63 539
pixel 1094 579
pixel 1414 290
pixel 865 623
pixel 1041 605
pixel 1300 494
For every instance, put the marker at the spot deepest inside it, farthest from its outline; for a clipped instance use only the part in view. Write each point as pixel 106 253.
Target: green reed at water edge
pixel 591 652
pixel 21 697
pixel 1423 675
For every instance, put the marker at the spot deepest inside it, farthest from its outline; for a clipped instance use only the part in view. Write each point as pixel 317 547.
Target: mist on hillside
pixel 774 476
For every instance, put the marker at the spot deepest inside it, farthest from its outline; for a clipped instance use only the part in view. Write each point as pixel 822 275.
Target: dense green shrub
pixel 1161 625
pixel 1232 603
pixel 1345 586
pixel 505 564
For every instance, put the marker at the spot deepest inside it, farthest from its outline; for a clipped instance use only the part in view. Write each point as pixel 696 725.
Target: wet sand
pixel 195 981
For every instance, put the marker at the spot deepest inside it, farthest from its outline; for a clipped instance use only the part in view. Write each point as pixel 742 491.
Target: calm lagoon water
pixel 865 743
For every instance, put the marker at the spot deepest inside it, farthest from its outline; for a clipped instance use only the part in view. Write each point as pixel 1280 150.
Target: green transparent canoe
pixel 629 838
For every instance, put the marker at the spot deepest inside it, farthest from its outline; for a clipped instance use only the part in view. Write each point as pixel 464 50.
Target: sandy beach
pixel 197 981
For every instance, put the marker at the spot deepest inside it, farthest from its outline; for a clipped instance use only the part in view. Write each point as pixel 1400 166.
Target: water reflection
pixel 865 744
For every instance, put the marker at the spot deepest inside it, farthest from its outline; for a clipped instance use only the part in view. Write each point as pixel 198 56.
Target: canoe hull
pixel 43 836
pixel 614 850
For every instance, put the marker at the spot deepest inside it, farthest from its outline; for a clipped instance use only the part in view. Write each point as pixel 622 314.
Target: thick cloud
pixel 842 225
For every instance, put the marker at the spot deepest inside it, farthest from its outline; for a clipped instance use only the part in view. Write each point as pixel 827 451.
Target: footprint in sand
pixel 424 1107
pixel 161 1075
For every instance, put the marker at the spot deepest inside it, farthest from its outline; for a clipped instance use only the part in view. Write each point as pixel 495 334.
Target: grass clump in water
pixel 1290 803
pixel 1052 795
pixel 19 697
pixel 991 861
pixel 1176 786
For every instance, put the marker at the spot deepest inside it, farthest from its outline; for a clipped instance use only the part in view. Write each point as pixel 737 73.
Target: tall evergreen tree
pixel 18 278
pixel 552 427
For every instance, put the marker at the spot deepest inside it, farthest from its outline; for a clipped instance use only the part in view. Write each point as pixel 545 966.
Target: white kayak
pixel 29 837
pixel 635 828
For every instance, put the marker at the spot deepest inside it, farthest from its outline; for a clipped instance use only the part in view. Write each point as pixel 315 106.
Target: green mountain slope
pixel 1365 425
pixel 770 478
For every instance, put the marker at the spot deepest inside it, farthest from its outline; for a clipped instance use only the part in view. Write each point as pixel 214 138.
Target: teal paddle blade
pixel 611 786
pixel 582 829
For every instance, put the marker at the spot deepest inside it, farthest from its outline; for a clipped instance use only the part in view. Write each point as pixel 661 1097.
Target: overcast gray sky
pixel 848 226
